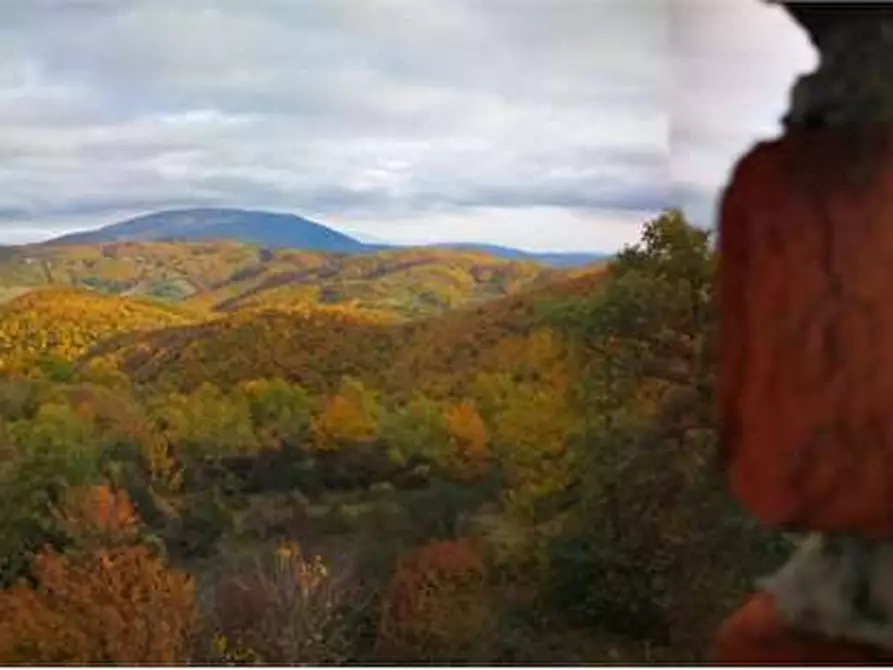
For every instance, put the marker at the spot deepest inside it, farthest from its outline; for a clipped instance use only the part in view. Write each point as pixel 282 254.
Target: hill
pixel 170 271
pixel 248 226
pixel 244 312
pixel 277 230
pixel 525 480
pixel 555 259
pixel 228 276
pixel 64 323
pixel 409 283
pixel 443 356
pixel 316 345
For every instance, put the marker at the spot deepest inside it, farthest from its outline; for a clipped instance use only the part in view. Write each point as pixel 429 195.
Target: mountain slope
pixel 409 283
pixel 66 322
pixel 229 276
pixel 442 355
pixel 252 227
pixel 555 259
pixel 315 345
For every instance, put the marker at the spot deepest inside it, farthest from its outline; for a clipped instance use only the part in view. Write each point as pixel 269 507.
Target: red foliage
pixel 287 612
pixel 119 606
pixel 435 607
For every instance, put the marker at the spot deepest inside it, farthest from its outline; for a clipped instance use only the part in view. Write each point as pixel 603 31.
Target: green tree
pixel 50 454
pixel 280 411
pixel 650 541
pixel 207 424
pixel 416 430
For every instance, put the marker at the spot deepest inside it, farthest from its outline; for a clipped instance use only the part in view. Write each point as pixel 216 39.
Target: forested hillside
pixel 227 276
pixel 213 453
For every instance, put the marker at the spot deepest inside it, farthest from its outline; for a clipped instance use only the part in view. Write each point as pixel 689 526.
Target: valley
pixel 459 457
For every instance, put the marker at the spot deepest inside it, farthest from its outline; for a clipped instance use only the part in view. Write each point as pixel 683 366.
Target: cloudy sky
pixel 541 124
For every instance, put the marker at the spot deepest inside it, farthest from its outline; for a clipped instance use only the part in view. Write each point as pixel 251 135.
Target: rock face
pixel 822 20
pixel 758 635
pixel 806 373
pixel 852 83
pixel 807 346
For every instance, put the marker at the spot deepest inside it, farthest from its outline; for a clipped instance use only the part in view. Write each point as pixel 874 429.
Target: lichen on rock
pixel 839 587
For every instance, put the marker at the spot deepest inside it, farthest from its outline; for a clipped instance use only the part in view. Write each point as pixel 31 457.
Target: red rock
pixel 757 635
pixel 806 370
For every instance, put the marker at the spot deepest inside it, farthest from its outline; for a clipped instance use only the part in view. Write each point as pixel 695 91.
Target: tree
pixel 415 430
pixel 286 609
pixel 52 453
pixel 98 516
pixel 646 520
pixel 468 456
pixel 102 607
pixel 532 417
pixel 280 410
pixel 353 414
pixel 436 607
pixel 207 424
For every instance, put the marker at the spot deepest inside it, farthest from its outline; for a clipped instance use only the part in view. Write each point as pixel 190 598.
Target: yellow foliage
pixel 469 456
pixel 314 347
pixel 441 356
pixel 100 512
pixel 65 323
pixel 351 415
pixel 532 415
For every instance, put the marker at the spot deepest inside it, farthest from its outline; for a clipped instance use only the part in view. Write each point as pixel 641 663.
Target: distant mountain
pixel 273 230
pixel 556 259
pixel 252 227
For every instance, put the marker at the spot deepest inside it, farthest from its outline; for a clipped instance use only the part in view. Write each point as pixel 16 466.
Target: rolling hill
pixel 555 259
pixel 65 323
pixel 176 313
pixel 229 276
pixel 277 230
pixel 516 443
pixel 316 345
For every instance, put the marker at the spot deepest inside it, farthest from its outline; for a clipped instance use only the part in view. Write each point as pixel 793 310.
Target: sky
pixel 538 124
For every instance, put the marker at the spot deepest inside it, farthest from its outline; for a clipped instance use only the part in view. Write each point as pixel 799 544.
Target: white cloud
pixel 734 63
pixel 400 117
pixel 544 228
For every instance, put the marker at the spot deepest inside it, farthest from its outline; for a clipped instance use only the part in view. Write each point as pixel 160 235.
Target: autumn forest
pixel 216 453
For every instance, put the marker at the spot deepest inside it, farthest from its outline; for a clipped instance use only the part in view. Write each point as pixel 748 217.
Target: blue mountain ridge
pixel 275 230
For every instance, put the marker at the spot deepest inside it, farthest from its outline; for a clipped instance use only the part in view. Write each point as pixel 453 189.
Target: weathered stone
pixel 806 378
pixel 839 587
pixel 806 291
pixel 757 635
pixel 853 84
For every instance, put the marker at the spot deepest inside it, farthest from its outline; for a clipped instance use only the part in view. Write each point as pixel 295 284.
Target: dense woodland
pixel 214 453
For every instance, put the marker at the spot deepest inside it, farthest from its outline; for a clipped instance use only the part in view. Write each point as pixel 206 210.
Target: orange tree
pixel 436 607
pixel 109 601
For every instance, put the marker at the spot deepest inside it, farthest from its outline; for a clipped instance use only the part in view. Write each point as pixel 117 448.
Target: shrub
pixel 105 606
pixel 436 608
pixel 285 609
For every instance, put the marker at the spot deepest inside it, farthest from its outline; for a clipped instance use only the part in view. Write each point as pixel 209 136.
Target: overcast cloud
pixel 542 124
pixel 735 62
